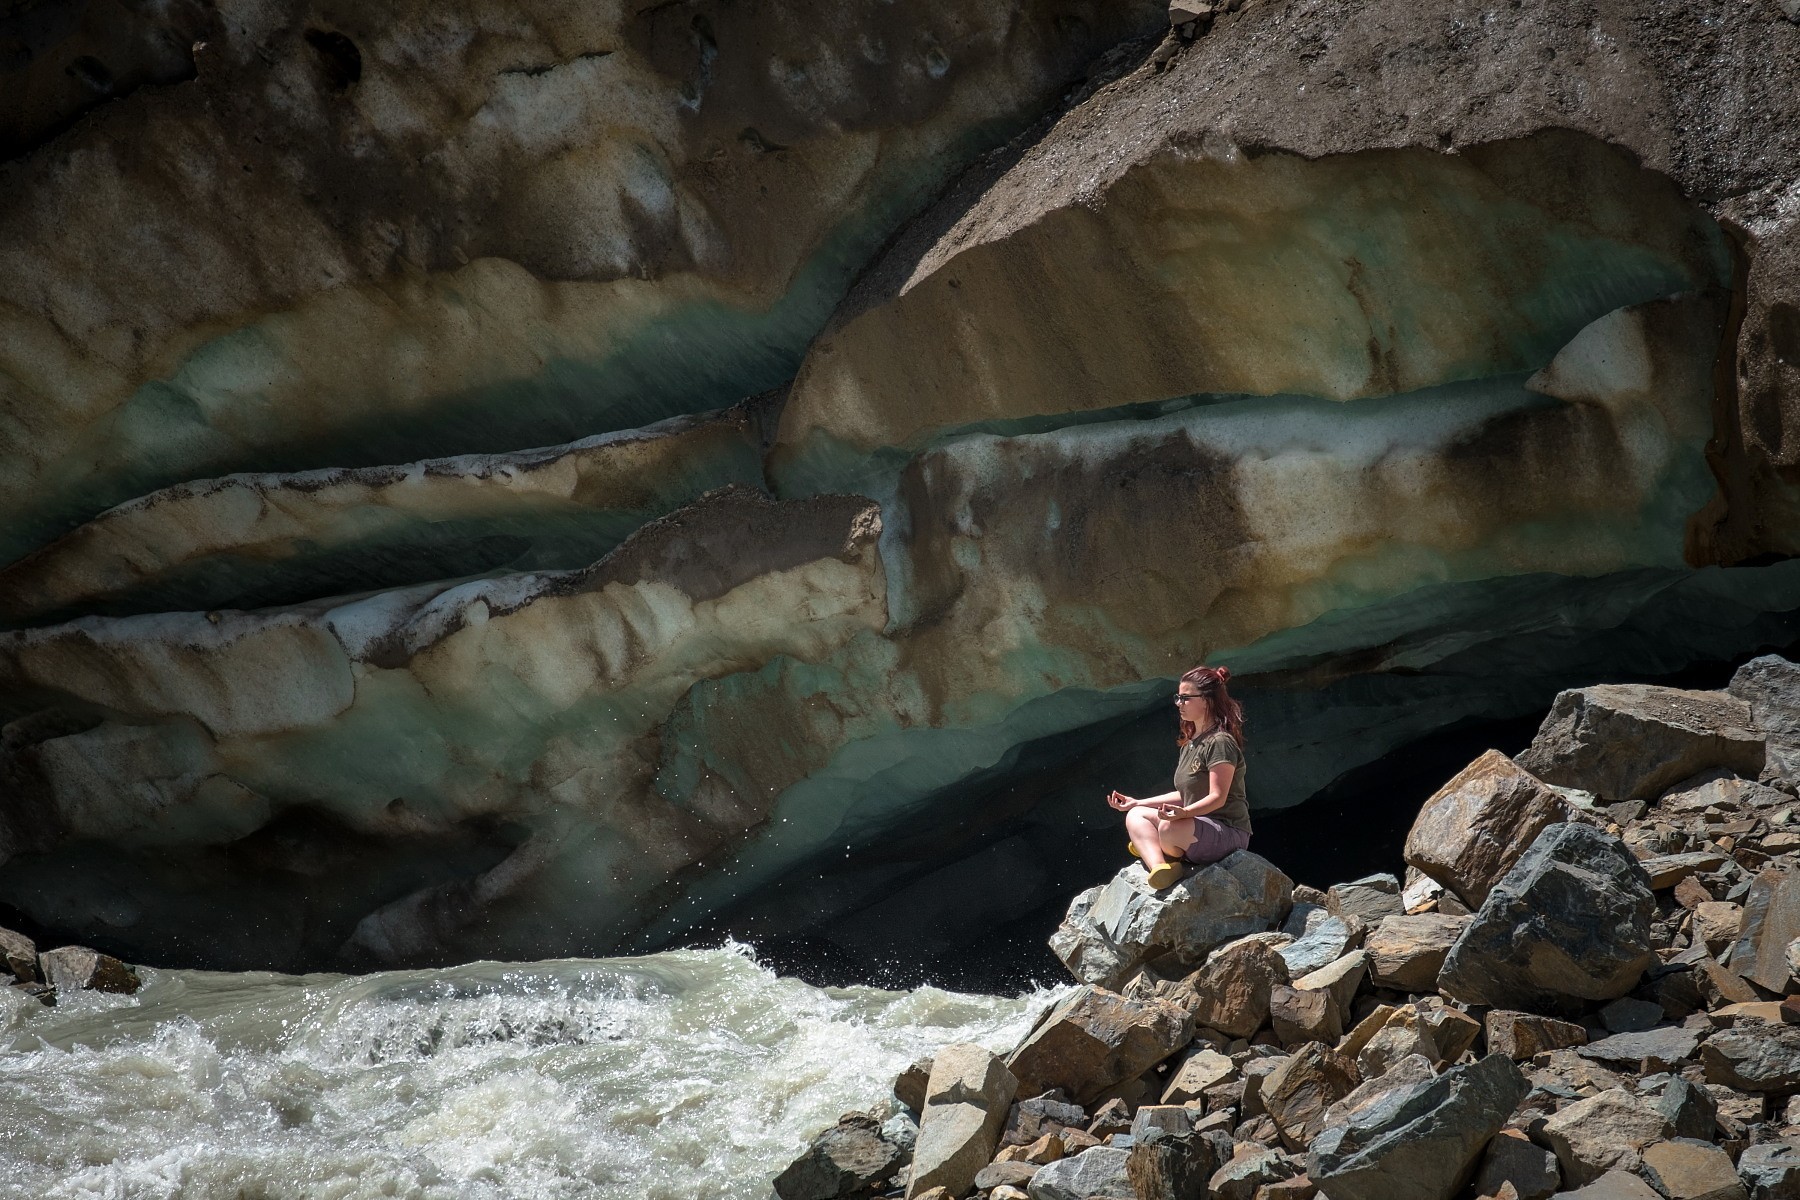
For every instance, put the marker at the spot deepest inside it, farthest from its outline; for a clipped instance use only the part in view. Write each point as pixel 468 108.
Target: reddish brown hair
pixel 1227 714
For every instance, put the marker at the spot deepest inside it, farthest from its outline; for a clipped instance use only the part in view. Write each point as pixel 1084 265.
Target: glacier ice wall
pixel 402 583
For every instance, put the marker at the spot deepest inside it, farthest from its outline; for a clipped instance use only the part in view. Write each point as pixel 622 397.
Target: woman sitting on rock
pixel 1205 817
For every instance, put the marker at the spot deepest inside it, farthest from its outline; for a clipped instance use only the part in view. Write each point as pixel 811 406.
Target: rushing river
pixel 687 1075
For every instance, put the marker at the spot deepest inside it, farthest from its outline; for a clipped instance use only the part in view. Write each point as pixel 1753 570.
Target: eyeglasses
pixel 1183 697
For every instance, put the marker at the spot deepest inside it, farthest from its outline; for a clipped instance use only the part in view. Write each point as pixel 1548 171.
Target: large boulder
pixel 1688 1169
pixel 1320 938
pixel 1419 1142
pixel 1114 929
pixel 1297 1093
pixel 1768 925
pixel 1570 924
pixel 1753 1057
pixel 1169 1158
pixel 1469 834
pixel 1629 741
pixel 1596 1135
pixel 77 968
pixel 851 1159
pixel 1771 1171
pixel 1097 1173
pixel 1771 686
pixel 966 1102
pixel 1095 1039
pixel 1406 953
pixel 1231 989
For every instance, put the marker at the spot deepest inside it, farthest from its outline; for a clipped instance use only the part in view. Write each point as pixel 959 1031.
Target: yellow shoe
pixel 1132 846
pixel 1164 876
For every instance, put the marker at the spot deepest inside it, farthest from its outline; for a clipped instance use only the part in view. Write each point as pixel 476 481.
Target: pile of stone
pixel 1584 985
pixel 27 973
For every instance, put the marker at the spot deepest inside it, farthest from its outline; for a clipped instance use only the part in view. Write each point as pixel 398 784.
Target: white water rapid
pixel 690 1074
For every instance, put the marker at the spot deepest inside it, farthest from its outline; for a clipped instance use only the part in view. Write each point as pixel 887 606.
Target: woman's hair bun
pixel 1222 674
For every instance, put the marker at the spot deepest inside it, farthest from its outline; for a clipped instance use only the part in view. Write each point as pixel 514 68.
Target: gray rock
pixel 1629 741
pixel 1646 1052
pixel 1768 925
pixel 1569 924
pixel 1231 989
pixel 1511 1157
pixel 1113 930
pixel 1298 1093
pixel 1629 1015
pixel 1367 900
pixel 1031 1119
pixel 1251 1168
pixel 77 968
pixel 1095 1039
pixel 1614 1185
pixel 1098 1173
pixel 1298 1015
pixel 1596 1135
pixel 851 1159
pixel 1342 979
pixel 1689 1109
pixel 1319 939
pixel 966 1102
pixel 1169 1158
pixel 1406 953
pixel 1005 1174
pixel 1686 1169
pixel 1754 1058
pixel 1771 1171
pixel 1520 1036
pixel 1419 1142
pixel 1771 686
pixel 1469 835
pixel 18 955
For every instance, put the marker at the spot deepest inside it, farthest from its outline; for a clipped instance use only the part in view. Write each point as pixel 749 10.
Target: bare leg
pixel 1176 836
pixel 1144 829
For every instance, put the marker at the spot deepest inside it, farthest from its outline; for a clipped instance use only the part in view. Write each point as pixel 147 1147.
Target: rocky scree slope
pixel 1587 984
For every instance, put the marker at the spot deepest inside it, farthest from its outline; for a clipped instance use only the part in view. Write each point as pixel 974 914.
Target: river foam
pixel 687 1074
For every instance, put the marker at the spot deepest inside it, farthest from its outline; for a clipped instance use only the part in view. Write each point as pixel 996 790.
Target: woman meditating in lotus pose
pixel 1205 817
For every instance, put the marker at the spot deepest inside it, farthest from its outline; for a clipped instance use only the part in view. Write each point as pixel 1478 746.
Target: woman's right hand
pixel 1121 801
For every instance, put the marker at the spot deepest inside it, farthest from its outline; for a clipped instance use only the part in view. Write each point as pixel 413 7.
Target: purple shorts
pixel 1213 840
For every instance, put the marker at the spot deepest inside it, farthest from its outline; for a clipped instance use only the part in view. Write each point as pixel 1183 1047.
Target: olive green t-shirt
pixel 1194 782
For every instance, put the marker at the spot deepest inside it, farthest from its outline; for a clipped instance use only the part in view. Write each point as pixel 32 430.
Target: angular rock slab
pixel 1299 1091
pixel 1631 741
pixel 77 968
pixel 1406 953
pixel 1569 923
pixel 1596 1135
pixel 1614 1185
pixel 1469 835
pixel 966 1102
pixel 852 1158
pixel 1771 686
pixel 1768 925
pixel 1098 1173
pixel 1232 988
pixel 1771 1171
pixel 1511 1157
pixel 1419 1142
pixel 1521 1036
pixel 1114 929
pixel 1095 1039
pixel 1754 1058
pixel 1686 1169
